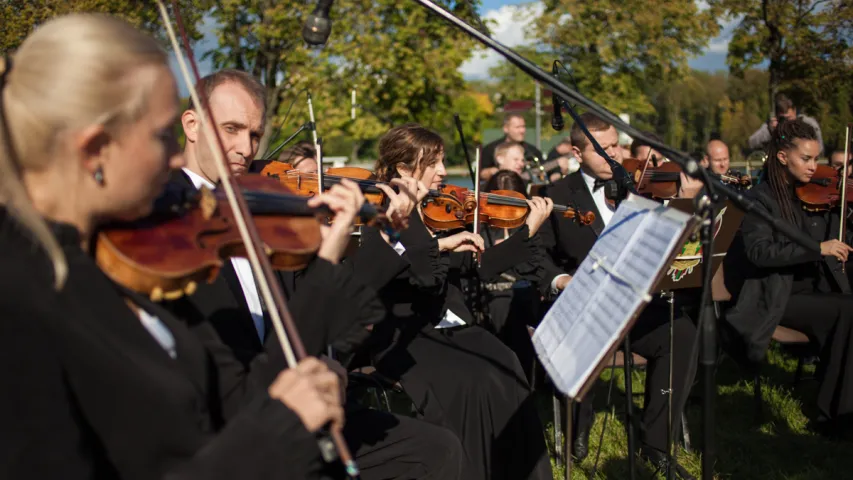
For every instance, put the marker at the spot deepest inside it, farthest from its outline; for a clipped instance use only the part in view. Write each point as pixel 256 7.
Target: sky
pixel 510 16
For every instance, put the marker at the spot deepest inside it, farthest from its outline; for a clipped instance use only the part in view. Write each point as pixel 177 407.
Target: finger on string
pixel 388 190
pixel 406 188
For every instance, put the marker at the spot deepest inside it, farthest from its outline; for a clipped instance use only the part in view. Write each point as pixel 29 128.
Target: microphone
pixel 318 26
pixel 556 119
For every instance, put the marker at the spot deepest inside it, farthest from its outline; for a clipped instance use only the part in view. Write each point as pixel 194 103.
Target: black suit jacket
pixel 328 304
pixel 90 393
pixel 567 241
pixel 759 272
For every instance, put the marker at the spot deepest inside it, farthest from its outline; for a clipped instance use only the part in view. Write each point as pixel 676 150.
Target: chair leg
pixel 685 432
pixel 558 428
pixel 798 375
pixel 756 392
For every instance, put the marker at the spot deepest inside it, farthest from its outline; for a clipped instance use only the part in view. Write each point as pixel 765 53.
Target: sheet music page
pixel 609 287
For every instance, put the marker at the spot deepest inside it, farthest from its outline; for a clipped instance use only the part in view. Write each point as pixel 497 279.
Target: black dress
pixel 509 299
pixel 88 392
pixel 777 282
pixel 462 378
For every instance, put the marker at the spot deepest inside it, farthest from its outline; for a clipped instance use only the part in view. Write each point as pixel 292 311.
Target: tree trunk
pixel 353 154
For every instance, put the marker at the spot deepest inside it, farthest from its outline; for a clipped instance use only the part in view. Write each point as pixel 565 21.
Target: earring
pixel 99 176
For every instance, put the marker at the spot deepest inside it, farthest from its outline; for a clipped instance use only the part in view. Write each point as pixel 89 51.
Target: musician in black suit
pixel 569 243
pixel 328 302
pixel 98 381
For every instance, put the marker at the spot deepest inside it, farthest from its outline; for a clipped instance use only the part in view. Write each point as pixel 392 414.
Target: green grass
pixel 780 446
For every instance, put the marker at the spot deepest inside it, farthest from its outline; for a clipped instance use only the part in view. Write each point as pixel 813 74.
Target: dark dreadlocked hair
pixel 783 138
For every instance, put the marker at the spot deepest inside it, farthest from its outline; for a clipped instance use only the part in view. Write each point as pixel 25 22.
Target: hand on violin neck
pixel 462 242
pixel 411 192
pixel 345 201
pixel 312 391
pixel 689 187
pixel 540 210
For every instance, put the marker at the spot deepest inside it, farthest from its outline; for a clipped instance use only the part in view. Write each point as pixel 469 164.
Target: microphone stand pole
pixel 458 123
pixel 714 189
pixel 289 139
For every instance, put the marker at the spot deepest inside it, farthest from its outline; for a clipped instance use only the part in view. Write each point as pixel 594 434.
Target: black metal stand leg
pixel 558 427
pixel 629 407
pixel 669 454
pixel 569 437
pixel 707 321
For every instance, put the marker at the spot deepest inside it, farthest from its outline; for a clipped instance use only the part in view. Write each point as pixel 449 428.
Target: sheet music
pixel 608 289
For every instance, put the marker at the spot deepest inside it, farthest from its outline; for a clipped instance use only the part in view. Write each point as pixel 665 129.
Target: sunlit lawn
pixel 780 446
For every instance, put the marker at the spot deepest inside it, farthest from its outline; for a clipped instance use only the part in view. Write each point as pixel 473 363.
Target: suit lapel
pixel 583 200
pixel 229 275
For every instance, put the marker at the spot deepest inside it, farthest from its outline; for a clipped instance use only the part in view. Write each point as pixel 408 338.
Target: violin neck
pixel 518 202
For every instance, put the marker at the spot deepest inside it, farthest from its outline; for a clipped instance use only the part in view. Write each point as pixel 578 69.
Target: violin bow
pixel 842 230
pixel 317 146
pixel 477 198
pixel 279 314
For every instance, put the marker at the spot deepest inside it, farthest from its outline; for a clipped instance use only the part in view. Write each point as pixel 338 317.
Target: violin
pixel 737 179
pixel 306 184
pixel 661 181
pixel 190 233
pixel 454 207
pixel 504 209
pixel 823 192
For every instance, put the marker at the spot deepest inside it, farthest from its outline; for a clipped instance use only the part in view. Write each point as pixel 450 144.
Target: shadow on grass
pixel 779 445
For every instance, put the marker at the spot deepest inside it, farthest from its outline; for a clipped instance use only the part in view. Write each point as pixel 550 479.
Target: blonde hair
pixel 72 72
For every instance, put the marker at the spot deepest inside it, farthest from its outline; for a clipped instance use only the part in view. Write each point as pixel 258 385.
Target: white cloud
pixel 720 44
pixel 508 25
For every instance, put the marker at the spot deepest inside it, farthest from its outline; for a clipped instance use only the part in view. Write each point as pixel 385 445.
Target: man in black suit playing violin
pixel 330 305
pixel 569 243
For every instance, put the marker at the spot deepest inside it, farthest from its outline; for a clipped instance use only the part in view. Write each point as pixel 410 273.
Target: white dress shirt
pixel 243 269
pixel 604 209
pixel 605 212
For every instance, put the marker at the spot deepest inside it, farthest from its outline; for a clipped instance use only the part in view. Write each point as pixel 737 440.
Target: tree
pixel 615 47
pixel 806 44
pixel 19 17
pixel 402 61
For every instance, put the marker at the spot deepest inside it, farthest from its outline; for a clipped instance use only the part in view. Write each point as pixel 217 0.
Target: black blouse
pixel 89 393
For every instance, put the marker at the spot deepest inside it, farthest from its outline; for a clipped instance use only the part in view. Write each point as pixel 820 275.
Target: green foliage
pixel 806 44
pixel 615 47
pixel 692 110
pixel 401 60
pixel 19 17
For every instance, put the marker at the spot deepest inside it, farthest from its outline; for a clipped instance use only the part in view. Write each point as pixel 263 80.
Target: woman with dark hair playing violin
pixel 775 281
pixel 511 300
pixel 99 382
pixel 457 374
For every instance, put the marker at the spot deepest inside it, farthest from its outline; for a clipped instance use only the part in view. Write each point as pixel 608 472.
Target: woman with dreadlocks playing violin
pixel 775 281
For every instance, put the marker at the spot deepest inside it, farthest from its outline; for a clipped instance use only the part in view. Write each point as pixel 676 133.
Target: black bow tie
pixel 598 184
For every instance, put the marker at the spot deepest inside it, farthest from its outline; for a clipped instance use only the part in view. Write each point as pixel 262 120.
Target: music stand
pixel 590 318
pixel 686 272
